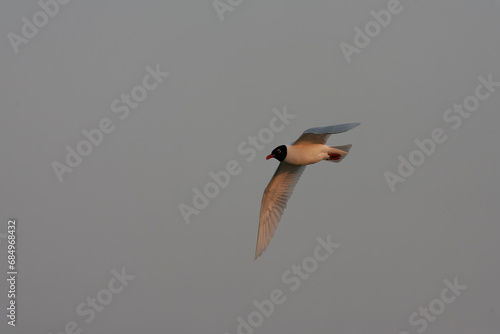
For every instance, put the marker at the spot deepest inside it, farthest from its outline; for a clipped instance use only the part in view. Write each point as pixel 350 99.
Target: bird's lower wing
pixel 274 201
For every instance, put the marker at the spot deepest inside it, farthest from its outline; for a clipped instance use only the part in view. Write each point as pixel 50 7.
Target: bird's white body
pixel 309 154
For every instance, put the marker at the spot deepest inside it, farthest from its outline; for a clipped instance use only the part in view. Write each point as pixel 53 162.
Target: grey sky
pixel 119 208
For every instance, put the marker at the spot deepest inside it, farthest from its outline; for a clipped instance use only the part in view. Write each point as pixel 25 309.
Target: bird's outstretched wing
pixel 320 135
pixel 274 201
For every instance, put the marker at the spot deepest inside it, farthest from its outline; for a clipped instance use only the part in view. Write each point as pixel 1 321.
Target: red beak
pixel 270 156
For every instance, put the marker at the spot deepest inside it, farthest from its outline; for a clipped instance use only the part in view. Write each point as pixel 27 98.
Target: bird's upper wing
pixel 274 201
pixel 320 135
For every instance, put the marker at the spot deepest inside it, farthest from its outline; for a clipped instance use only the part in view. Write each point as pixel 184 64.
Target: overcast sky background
pixel 120 207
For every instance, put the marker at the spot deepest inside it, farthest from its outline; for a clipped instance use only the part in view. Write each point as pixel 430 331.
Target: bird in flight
pixel 307 150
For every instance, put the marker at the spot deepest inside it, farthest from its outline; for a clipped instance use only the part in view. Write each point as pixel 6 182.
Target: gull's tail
pixel 338 153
